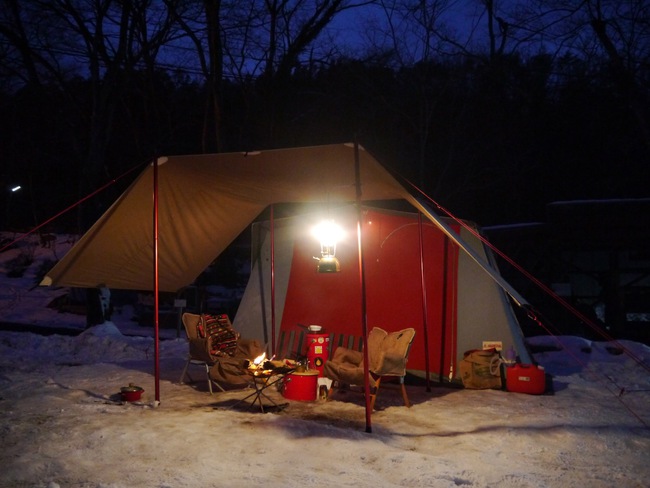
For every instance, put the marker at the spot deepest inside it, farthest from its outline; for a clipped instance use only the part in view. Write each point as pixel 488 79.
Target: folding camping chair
pixel 214 345
pixel 387 354
pixel 198 351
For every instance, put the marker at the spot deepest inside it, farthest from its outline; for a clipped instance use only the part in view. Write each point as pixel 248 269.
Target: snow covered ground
pixel 64 425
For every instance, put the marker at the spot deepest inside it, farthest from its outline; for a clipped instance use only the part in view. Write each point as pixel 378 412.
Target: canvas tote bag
pixel 480 369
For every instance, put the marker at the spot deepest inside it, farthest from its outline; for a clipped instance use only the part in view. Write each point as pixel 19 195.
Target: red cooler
pixel 526 378
pixel 318 351
pixel 301 386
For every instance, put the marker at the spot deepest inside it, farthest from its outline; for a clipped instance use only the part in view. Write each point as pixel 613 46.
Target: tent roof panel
pixel 205 202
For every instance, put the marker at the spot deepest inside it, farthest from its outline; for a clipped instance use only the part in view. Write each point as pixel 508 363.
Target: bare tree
pixel 261 40
pixel 417 35
pixel 202 24
pixel 286 41
pixel 56 42
pixel 613 32
pixel 422 40
pixel 623 30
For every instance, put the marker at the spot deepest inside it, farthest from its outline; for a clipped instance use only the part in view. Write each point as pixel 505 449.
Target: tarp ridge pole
pixel 362 283
pixel 425 312
pixel 156 283
pixel 453 319
pixel 273 351
pixel 443 314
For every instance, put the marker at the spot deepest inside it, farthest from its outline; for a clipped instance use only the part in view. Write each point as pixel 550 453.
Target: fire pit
pixel 264 373
pixel 260 366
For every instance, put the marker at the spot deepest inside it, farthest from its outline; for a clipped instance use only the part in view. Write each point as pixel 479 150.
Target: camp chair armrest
pixel 345 355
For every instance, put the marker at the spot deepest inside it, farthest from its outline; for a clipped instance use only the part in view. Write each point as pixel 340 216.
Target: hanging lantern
pixel 328 234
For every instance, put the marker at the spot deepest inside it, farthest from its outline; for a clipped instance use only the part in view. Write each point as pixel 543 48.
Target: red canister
pixel 302 386
pixel 318 351
pixel 526 378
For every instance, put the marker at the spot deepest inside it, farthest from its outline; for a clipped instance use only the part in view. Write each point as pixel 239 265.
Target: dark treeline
pixel 492 136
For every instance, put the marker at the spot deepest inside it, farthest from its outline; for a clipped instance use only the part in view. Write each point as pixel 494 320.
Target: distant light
pixel 16 188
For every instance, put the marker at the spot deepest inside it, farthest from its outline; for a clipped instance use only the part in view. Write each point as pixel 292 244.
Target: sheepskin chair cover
pixel 387 355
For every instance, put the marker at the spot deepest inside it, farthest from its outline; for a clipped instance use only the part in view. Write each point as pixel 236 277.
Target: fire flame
pixel 259 359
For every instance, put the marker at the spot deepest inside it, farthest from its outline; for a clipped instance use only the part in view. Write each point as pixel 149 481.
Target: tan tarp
pixel 205 202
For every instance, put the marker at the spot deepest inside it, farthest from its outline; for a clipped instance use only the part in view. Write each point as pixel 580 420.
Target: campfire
pixel 260 366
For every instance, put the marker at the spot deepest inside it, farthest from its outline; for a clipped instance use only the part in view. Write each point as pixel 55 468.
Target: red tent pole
pixel 425 314
pixel 155 282
pixel 362 285
pixel 444 315
pixel 272 283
